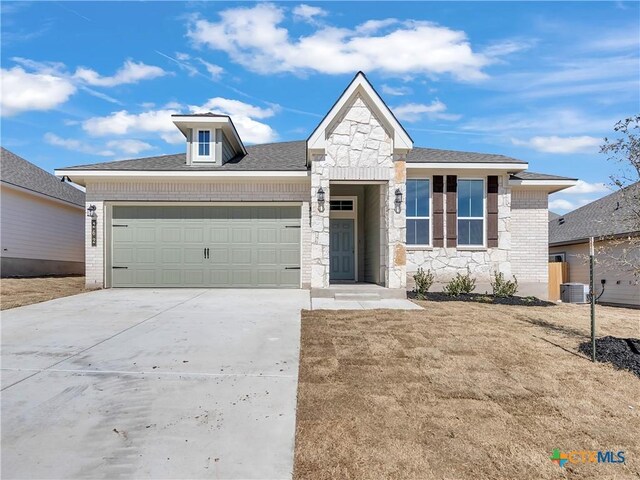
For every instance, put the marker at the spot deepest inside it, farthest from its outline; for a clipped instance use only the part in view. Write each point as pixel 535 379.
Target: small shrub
pixel 502 287
pixel 423 280
pixel 485 299
pixel 460 284
pixel 529 299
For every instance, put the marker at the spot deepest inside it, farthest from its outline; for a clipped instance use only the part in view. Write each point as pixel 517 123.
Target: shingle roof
pixel 284 156
pixel 553 215
pixel 269 156
pixel 615 214
pixel 527 175
pixel 15 170
pixel 433 155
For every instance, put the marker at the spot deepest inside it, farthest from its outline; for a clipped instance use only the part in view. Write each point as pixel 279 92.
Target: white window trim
pixel 483 217
pixel 212 146
pixel 407 217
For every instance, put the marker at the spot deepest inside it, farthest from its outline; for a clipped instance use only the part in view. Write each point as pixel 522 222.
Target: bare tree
pixel 624 149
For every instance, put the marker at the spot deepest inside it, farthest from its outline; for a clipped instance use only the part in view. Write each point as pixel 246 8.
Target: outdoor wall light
pixel 321 199
pixel 91 212
pixel 398 200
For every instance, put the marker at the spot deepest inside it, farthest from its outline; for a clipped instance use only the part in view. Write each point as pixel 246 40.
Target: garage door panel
pixel 267 256
pixel 248 246
pixel 241 235
pixel 267 235
pixel 219 234
pixel 144 234
pixel 290 258
pixel 145 255
pixel 171 256
pixel 193 256
pixel 171 276
pixel 124 255
pixel 241 256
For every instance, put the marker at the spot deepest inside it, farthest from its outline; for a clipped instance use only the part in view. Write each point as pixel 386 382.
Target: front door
pixel 342 249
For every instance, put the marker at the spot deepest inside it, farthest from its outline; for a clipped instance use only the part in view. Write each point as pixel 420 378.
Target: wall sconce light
pixel 398 201
pixel 91 212
pixel 321 199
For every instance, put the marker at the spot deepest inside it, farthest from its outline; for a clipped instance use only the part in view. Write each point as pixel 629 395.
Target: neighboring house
pixel 42 221
pixel 355 202
pixel 613 222
pixel 553 215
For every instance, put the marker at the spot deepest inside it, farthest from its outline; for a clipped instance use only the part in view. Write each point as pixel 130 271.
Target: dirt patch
pixel 623 353
pixel 17 292
pixel 485 298
pixel 462 390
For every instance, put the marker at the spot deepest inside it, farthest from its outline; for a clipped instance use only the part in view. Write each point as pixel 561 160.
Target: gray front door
pixel 205 246
pixel 342 253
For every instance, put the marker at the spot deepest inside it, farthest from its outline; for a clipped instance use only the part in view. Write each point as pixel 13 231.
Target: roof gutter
pixel 510 167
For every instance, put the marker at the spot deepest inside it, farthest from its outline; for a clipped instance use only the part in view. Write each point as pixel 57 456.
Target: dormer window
pixel 204 143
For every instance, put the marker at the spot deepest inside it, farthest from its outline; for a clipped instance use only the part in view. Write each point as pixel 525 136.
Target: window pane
pixel 470 232
pixel 417 232
pixel 463 198
pixel 463 232
pixel 412 192
pixel 411 232
pixel 423 198
pixel 475 232
pixel 422 232
pixel 477 195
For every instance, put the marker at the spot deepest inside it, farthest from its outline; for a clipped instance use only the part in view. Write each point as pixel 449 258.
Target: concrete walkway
pixel 171 383
pixel 390 303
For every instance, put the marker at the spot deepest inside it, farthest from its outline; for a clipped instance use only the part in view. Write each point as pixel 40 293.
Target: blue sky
pixel 541 81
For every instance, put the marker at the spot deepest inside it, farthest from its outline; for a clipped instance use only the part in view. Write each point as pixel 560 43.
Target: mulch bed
pixel 623 353
pixel 485 298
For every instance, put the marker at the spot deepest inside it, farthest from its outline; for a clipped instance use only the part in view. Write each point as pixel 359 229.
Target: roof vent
pixel 561 221
pixel 617 205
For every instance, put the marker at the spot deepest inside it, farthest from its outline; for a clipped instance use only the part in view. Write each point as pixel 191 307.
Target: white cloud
pixel 563 145
pixel 76 145
pixel 243 116
pixel 23 91
pixel 395 91
pixel 372 26
pixel 308 13
pixel 583 187
pixel 124 122
pixel 159 122
pixel 215 71
pixel 411 47
pixel 414 112
pixel 562 205
pixel 131 147
pixel 130 72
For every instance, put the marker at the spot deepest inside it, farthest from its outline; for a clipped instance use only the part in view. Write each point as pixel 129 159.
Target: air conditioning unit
pixel 574 292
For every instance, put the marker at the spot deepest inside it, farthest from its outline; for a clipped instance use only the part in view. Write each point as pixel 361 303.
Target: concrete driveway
pixel 143 383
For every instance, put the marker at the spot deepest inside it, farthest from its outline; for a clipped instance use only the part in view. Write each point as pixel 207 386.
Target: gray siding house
pixel 41 221
pixel 355 203
pixel 613 222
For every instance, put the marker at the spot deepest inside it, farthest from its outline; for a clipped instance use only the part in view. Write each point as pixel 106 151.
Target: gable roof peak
pixel 360 84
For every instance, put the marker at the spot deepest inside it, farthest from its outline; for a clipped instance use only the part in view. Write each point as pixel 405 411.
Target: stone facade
pixel 522 246
pixel 358 147
pixel 445 263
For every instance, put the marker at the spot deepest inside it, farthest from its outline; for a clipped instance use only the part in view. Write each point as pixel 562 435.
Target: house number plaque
pixel 94 232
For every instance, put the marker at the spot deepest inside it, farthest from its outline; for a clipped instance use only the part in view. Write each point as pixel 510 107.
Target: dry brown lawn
pixel 462 391
pixel 17 292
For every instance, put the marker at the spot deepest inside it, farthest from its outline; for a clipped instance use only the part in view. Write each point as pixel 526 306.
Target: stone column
pixel 319 226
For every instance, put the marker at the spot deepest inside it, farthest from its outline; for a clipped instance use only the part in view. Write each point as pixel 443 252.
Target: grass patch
pixel 17 292
pixel 461 390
